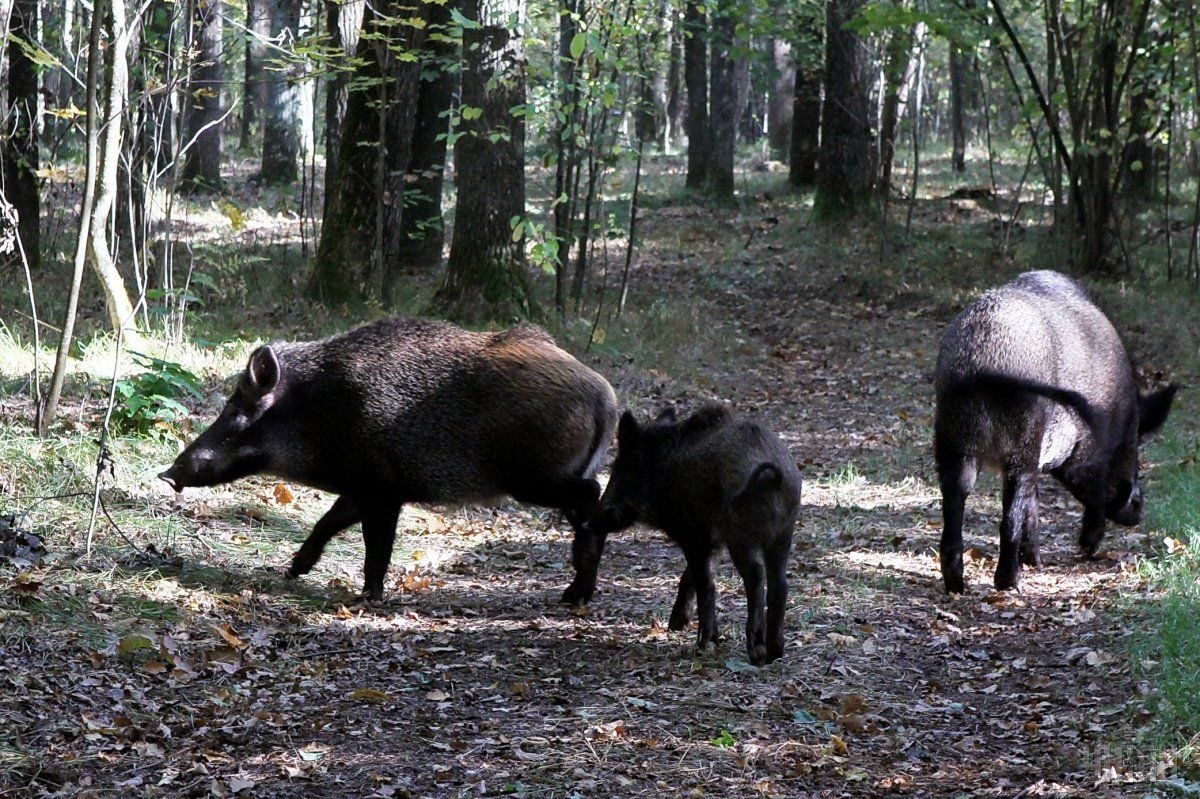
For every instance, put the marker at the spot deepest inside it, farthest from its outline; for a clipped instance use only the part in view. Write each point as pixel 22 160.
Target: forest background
pixel 675 190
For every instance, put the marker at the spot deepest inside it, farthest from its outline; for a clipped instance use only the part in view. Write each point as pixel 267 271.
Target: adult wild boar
pixel 712 479
pixel 1032 377
pixel 411 410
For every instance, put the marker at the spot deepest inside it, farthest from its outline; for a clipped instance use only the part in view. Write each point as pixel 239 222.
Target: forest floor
pixel 210 675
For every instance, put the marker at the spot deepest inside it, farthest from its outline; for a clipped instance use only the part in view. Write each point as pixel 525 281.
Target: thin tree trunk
pixel 723 106
pixel 896 77
pixel 806 102
pixel 422 231
pixel 695 77
pixel 782 100
pixel 202 167
pixel 282 74
pixel 19 147
pixel 345 20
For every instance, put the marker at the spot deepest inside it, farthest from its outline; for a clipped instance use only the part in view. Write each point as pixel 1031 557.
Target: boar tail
pixel 766 477
pixel 994 382
pixel 601 435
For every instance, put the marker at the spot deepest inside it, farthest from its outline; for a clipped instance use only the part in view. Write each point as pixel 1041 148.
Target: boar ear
pixel 628 431
pixel 665 416
pixel 1153 409
pixel 263 370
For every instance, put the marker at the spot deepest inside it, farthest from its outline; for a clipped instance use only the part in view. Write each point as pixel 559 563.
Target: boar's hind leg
pixel 1020 494
pixel 379 534
pixel 681 612
pixel 343 514
pixel 749 563
pixel 957 476
pixel 777 591
pixel 576 497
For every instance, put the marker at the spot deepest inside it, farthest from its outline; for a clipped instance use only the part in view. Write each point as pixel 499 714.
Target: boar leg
pixel 749 563
pixel 681 612
pixel 957 476
pixel 777 557
pixel 1092 530
pixel 1030 537
pixel 379 535
pixel 343 514
pixel 699 559
pixel 1020 490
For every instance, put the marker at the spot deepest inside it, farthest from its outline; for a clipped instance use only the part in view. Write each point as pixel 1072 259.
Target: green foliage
pixel 148 403
pixel 1167 648
pixel 724 740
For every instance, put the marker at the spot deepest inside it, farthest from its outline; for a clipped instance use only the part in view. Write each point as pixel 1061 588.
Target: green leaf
pixel 578 45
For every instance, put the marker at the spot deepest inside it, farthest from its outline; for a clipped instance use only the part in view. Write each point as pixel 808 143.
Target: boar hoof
pixel 575 594
pixel 954 584
pixel 680 619
pixel 1006 580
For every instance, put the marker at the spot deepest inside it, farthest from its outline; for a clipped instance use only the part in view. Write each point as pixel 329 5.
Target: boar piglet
pixel 1032 377
pixel 411 410
pixel 712 479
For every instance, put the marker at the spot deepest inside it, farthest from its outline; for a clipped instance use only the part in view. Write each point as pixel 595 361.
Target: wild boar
pixel 714 478
pixel 412 410
pixel 1032 377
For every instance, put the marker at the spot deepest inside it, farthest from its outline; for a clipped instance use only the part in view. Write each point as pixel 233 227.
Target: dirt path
pixel 473 681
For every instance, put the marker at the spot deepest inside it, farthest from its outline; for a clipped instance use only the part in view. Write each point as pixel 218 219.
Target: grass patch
pixel 1166 653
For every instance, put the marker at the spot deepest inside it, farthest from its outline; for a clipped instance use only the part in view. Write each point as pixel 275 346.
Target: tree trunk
pixel 781 101
pixel 808 53
pixel 895 81
pixel 345 20
pixel 566 162
pixel 723 105
pixel 844 163
pixel 202 166
pixel 673 113
pixel 422 230
pixel 959 68
pixel 485 274
pixel 357 255
pixel 282 75
pixel 695 78
pixel 19 147
pixel 258 25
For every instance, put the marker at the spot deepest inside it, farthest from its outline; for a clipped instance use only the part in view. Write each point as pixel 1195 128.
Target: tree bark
pixel 258 24
pixel 485 274
pixel 281 75
pixel 422 228
pixel 723 105
pixel 781 103
pixel 844 163
pixel 202 166
pixel 357 255
pixel 695 78
pixel 19 147
pixel 895 82
pixel 808 53
pixel 345 20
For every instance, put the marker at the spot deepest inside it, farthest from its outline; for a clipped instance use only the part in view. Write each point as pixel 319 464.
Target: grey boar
pixel 1032 377
pixel 712 479
pixel 411 410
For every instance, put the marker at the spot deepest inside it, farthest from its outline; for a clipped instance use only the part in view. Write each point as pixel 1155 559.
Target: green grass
pixel 1166 653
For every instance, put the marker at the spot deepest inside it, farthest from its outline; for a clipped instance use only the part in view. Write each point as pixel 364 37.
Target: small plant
pixel 148 403
pixel 724 740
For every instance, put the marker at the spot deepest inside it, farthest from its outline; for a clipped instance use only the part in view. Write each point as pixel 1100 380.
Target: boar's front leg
pixel 343 514
pixel 956 473
pixel 681 612
pixel 1020 494
pixel 699 567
